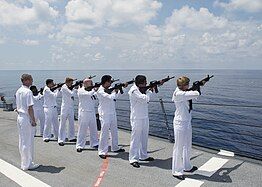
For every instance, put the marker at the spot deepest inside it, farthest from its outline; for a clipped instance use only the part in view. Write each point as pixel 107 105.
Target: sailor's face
pixel 69 84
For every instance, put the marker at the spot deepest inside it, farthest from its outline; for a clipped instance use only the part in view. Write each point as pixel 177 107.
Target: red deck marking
pixel 103 170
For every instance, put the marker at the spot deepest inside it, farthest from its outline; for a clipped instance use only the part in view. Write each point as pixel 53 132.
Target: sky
pixel 130 34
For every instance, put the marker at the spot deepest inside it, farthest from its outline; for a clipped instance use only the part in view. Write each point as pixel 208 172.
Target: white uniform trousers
pixel 86 120
pixel 182 147
pixel 26 140
pixel 139 139
pixel 108 122
pixel 66 113
pixel 51 118
pixel 40 116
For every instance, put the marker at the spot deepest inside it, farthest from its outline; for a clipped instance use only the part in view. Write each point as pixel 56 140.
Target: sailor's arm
pixel 185 95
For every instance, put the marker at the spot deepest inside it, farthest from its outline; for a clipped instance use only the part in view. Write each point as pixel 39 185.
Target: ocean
pixel 228 114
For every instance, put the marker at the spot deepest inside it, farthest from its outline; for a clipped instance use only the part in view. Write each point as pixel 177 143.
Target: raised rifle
pixel 59 85
pixel 155 84
pixel 196 87
pixel 80 82
pixel 98 84
pixel 119 86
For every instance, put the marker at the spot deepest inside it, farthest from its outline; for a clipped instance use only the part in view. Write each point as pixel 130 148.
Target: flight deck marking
pixel 207 169
pixel 102 173
pixel 20 177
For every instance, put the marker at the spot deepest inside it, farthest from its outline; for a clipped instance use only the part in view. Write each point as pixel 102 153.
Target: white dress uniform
pixel 140 124
pixel 107 115
pixel 39 111
pixel 24 99
pixel 86 118
pixel 182 131
pixel 50 109
pixel 67 112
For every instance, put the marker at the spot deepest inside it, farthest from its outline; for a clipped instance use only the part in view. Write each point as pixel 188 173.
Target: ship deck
pixel 63 166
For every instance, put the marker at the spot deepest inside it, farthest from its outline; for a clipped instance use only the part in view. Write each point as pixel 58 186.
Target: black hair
pixel 105 78
pixel 48 81
pixel 140 79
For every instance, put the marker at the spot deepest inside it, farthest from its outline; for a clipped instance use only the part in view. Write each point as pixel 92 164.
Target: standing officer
pixel 50 109
pixel 38 108
pixel 182 128
pixel 139 122
pixel 26 122
pixel 86 116
pixel 107 115
pixel 67 112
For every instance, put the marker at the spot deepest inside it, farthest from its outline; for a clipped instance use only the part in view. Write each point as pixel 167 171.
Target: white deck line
pixel 226 153
pixel 211 166
pixel 190 183
pixel 207 169
pixel 20 177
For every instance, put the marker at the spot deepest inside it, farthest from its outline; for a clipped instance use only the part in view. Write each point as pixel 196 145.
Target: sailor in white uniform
pixel 139 122
pixel 50 109
pixel 182 128
pixel 26 123
pixel 107 116
pixel 86 116
pixel 67 112
pixel 38 108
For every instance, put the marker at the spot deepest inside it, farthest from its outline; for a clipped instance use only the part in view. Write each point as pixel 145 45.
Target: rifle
pixel 119 86
pixel 98 84
pixel 59 85
pixel 155 84
pixel 80 82
pixel 196 85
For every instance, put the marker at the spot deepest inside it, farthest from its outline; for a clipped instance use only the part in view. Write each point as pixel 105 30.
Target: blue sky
pixel 124 34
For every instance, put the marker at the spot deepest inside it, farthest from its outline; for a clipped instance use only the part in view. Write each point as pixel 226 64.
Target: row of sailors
pixel 48 116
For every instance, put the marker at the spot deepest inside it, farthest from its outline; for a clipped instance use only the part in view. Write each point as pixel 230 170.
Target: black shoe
pixel 180 177
pixel 102 156
pixel 135 164
pixel 79 150
pixel 61 143
pixel 148 159
pixel 95 147
pixel 46 140
pixel 73 140
pixel 119 150
pixel 194 168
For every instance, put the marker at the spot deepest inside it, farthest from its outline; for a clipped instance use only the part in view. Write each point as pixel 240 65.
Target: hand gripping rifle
pixel 80 82
pixel 59 85
pixel 155 84
pixel 98 84
pixel 196 85
pixel 119 86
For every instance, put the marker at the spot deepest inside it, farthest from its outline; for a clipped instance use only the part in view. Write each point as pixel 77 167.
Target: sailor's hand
pixel 33 124
pixel 96 88
pixel 151 89
pixel 125 85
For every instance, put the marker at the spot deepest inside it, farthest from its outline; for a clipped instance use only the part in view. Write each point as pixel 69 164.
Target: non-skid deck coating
pixel 63 166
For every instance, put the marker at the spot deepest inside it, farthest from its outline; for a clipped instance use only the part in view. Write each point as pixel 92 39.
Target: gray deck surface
pixel 63 166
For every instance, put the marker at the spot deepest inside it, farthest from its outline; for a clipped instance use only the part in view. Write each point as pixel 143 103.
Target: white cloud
pixel 112 12
pixel 153 32
pixel 30 42
pixel 189 18
pixel 98 56
pixel 251 6
pixel 13 14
